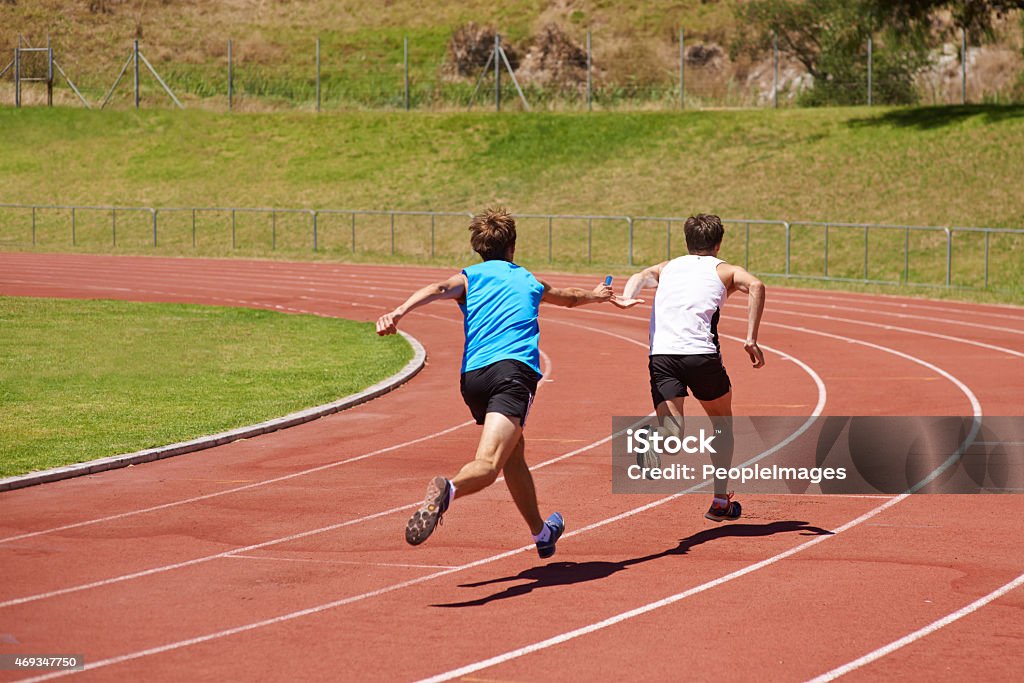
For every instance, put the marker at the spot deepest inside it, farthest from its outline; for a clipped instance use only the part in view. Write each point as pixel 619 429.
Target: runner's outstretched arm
pixel 738 279
pixel 452 288
pixel 570 297
pixel 648 277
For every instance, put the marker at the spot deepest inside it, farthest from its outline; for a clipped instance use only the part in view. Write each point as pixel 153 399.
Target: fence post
pixel 232 228
pixel 549 238
pixel 405 51
pixel 629 221
pixel 682 70
pixel 273 230
pixel 906 253
pixel 231 79
pixel 986 259
pixel 870 67
pixel 590 240
pixel 353 232
pixel 668 240
pixel 153 211
pixel 313 214
pixel 113 225
pixel 74 241
pixel 136 59
pixel 318 74
pixel 392 233
pixel 590 74
pixel 866 228
pixel 775 71
pixel 788 248
pixel 497 72
pixel 17 74
pixel 33 226
pixel 433 232
pixel 963 66
pixel 949 256
pixel 193 228
pixel 49 74
pixel 826 249
pixel 746 249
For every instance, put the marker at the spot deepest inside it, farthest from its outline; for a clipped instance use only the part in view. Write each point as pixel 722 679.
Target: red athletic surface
pixel 331 541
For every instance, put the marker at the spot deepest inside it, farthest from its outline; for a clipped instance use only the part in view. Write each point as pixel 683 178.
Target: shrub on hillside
pixel 470 48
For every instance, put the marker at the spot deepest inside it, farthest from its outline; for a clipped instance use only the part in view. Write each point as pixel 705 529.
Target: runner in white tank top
pixel 684 319
pixel 684 348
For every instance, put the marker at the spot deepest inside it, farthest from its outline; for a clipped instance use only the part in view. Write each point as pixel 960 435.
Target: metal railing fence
pixel 889 254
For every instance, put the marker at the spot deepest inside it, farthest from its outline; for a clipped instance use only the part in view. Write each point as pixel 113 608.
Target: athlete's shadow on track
pixel 566 573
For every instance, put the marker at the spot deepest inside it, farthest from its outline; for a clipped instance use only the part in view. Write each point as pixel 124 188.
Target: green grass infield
pixel 87 379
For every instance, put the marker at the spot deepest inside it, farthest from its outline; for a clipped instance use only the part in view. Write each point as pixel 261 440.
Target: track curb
pixel 410 370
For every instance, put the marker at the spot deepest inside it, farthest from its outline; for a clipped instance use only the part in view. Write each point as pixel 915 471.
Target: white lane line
pixel 236 489
pixel 276 541
pixel 513 654
pixel 918 634
pixel 354 562
pixel 886 326
pixel 908 316
pixel 412 582
pixel 651 606
pixel 546 365
pixel 940 305
pixel 891 502
pixel 818 409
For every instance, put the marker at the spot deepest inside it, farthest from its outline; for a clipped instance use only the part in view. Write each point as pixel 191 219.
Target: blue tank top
pixel 500 315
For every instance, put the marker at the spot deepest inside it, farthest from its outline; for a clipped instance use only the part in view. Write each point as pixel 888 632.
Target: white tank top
pixel 684 319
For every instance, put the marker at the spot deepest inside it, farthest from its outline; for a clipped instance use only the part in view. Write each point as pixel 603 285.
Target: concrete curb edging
pixel 113 462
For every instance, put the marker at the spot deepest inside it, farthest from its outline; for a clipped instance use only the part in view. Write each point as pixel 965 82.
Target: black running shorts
pixel 505 387
pixel 704 374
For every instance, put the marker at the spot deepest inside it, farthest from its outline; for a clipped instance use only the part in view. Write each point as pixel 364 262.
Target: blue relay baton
pixel 608 280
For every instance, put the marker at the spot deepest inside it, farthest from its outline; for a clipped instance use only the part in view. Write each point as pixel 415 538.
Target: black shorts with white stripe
pixel 506 387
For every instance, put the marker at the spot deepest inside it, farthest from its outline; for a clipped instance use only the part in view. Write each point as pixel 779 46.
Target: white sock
pixel 543 536
pixel 451 492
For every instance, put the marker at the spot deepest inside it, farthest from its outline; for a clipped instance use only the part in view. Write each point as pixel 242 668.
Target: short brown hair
pixel 492 233
pixel 703 232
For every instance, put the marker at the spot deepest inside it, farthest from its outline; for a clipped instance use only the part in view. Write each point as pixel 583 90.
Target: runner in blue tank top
pixel 500 371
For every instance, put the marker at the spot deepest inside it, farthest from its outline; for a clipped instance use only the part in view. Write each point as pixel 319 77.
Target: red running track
pixel 282 557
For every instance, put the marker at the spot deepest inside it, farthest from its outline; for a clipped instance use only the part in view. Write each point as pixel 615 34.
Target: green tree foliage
pixel 829 38
pixel 976 16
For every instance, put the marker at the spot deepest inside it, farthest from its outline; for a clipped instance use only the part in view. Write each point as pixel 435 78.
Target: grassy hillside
pixel 948 166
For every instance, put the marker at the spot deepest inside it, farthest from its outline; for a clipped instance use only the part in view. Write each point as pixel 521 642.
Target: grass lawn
pixel 87 379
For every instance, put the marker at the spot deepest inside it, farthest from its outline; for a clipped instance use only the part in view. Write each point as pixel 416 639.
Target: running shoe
pixel 648 461
pixel 424 520
pixel 557 525
pixel 728 513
